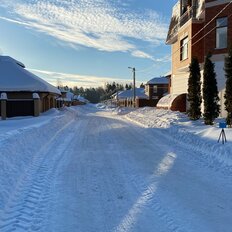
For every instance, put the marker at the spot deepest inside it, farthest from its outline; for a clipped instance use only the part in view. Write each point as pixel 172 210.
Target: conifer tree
pixel 194 90
pixel 228 90
pixel 210 92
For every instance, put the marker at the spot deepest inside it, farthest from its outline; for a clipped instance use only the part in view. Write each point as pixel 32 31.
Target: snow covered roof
pixel 8 58
pixel 139 92
pixel 158 80
pixel 14 77
pixel 69 95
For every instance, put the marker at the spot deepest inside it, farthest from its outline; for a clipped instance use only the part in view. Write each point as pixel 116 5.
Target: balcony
pixel 172 34
pixel 188 14
pixel 177 23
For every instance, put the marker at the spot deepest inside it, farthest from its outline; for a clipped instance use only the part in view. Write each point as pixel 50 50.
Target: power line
pixel 209 31
pixel 173 53
pixel 203 29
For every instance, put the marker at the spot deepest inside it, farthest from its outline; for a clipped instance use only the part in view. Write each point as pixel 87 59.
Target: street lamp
pixel 134 94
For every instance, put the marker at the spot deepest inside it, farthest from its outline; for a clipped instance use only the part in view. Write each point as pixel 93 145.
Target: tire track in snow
pixel 175 213
pixel 27 208
pixel 149 198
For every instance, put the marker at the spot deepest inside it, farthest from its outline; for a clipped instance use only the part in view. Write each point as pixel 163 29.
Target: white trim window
pixel 155 89
pixel 184 49
pixel 221 32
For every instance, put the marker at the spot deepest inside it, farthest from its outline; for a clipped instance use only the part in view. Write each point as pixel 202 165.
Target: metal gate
pixel 19 108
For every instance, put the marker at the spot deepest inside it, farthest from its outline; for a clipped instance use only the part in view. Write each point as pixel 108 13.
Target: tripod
pixel 223 136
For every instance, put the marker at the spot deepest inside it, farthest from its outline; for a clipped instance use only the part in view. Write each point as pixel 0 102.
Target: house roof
pixel 174 23
pixel 158 80
pixel 14 77
pixel 139 92
pixel 70 95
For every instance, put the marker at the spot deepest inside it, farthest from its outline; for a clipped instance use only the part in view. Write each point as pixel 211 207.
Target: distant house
pixel 125 98
pixel 79 100
pixel 21 89
pixel 156 88
pixel 66 98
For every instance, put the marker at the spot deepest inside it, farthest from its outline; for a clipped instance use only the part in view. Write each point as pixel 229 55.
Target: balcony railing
pixel 190 13
pixel 187 15
pixel 172 33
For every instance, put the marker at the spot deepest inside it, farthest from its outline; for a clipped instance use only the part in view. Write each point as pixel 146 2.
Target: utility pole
pixel 134 93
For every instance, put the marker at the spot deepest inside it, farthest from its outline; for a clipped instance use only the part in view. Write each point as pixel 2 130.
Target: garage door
pixel 19 108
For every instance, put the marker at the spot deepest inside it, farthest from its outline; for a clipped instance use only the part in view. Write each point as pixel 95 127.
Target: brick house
pixel 198 27
pixel 156 88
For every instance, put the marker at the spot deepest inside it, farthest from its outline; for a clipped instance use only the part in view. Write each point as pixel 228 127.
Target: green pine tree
pixel 228 90
pixel 194 90
pixel 210 92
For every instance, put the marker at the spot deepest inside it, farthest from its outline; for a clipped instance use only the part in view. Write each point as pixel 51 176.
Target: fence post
pixel 3 105
pixel 36 99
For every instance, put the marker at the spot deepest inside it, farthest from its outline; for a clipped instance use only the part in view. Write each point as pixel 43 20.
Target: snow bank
pixel 192 134
pixel 122 110
pixel 100 106
pixel 107 107
pixel 21 146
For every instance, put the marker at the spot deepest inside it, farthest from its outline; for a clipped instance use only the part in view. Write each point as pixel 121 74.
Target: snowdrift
pixel 191 134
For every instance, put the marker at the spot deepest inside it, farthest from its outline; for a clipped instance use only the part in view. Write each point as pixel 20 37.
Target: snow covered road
pixel 103 174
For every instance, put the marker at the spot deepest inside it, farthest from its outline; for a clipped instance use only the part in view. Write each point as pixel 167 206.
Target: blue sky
pixel 87 42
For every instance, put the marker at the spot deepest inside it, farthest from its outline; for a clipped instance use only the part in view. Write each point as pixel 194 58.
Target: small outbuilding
pixel 22 92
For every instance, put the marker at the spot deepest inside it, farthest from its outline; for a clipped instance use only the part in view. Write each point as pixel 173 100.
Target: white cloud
pixel 141 54
pixel 98 24
pixel 76 79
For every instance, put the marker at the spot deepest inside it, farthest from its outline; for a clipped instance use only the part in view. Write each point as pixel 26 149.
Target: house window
pixel 184 48
pixel 146 88
pixel 155 89
pixel 221 32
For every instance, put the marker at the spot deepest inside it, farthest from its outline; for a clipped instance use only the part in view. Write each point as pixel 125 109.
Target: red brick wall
pixel 195 46
pixel 197 42
pixel 210 39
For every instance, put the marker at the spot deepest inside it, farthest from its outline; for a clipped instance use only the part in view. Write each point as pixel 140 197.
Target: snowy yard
pixel 86 169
